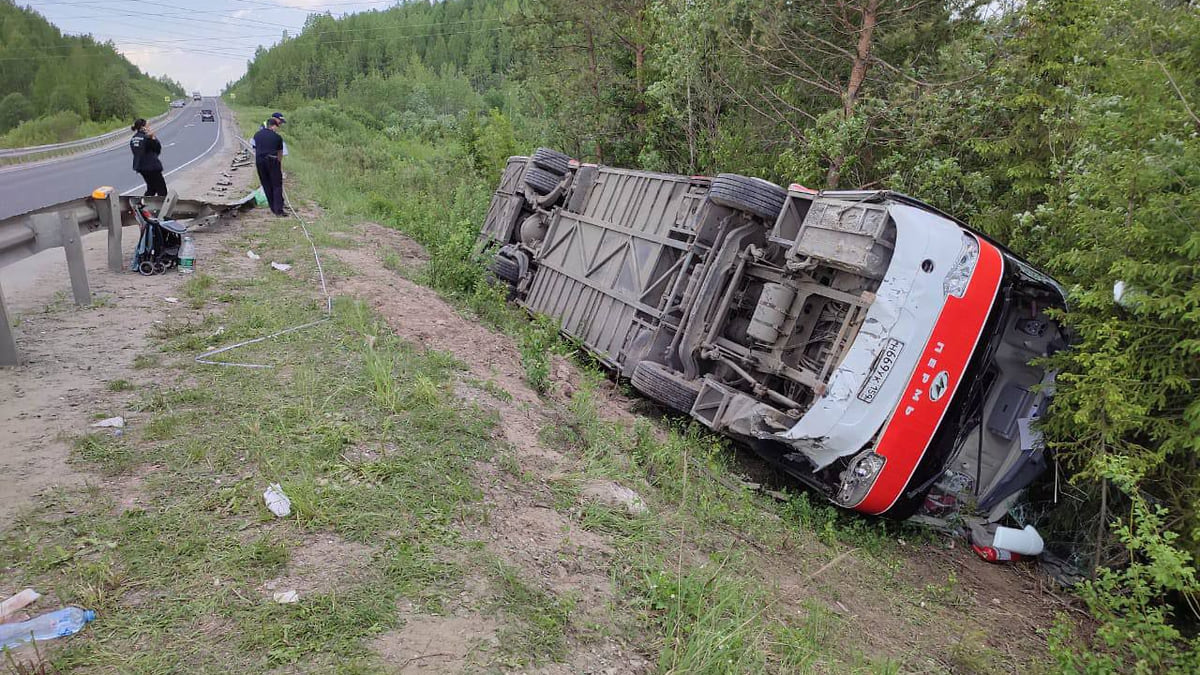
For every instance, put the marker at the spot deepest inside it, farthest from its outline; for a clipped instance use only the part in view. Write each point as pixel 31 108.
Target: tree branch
pixel 796 131
pixel 1179 93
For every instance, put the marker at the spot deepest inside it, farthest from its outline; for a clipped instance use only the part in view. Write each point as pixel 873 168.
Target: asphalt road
pixel 184 138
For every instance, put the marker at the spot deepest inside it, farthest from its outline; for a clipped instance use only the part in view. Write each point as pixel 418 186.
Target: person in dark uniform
pixel 146 148
pixel 268 151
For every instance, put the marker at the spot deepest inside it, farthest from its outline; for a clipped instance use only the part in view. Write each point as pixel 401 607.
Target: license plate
pixel 884 364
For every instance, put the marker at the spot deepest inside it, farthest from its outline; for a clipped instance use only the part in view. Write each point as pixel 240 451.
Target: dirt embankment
pixel 978 606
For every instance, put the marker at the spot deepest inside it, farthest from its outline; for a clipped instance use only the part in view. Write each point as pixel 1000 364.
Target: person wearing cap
pixel 268 151
pixel 275 115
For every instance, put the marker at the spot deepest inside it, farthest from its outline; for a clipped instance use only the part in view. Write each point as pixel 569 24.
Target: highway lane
pixel 184 138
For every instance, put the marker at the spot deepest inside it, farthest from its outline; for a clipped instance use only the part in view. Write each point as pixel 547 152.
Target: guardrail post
pixel 72 243
pixel 168 205
pixel 109 213
pixel 8 345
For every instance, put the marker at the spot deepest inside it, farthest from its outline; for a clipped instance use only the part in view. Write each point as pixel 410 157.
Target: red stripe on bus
pixel 919 413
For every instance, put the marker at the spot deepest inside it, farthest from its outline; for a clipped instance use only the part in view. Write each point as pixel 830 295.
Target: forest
pixel 1068 129
pixel 56 87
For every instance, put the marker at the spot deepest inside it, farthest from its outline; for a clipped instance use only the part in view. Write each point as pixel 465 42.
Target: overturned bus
pixel 869 345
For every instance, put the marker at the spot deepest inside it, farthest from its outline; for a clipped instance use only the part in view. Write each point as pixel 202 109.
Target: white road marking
pixel 190 161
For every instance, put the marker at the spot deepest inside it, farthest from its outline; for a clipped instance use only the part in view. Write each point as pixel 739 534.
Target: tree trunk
pixel 691 129
pixel 835 172
pixel 591 49
pixel 639 65
pixel 862 57
pixel 639 107
pixel 858 74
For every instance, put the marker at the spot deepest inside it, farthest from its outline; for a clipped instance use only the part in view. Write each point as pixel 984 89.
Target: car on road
pixel 869 345
pixel 207 115
pixel 178 103
pixel 196 96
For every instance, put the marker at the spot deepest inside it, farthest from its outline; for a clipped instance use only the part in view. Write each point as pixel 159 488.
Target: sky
pixel 202 44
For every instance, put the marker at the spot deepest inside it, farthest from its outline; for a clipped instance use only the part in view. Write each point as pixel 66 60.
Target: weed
pixel 971 654
pixel 198 289
pixel 392 261
pixel 496 390
pixel 949 593
pixel 29 665
pixel 164 427
pixel 419 573
pixel 712 621
pixel 328 624
pixel 544 618
pixel 537 343
pixel 110 454
pixel 120 385
pixel 511 464
pixel 58 302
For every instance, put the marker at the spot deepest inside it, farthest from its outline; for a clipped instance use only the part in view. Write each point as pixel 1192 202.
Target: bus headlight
pixel 859 476
pixel 960 273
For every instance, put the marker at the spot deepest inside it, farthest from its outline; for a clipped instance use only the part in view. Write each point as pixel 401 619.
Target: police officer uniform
pixel 146 162
pixel 268 150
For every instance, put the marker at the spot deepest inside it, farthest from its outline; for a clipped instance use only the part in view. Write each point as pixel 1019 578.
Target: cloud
pixel 303 4
pixel 207 72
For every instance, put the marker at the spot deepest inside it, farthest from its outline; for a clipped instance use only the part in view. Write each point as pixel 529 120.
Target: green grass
pixel 364 433
pixel 120 385
pixel 198 289
pixel 109 454
pixel 542 619
pixel 679 473
pixel 721 616
pixel 65 126
pixel 177 577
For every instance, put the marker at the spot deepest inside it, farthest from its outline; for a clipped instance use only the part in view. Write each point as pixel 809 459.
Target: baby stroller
pixel 158 247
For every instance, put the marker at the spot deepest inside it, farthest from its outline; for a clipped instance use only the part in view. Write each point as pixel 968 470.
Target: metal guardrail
pixel 13 156
pixel 65 224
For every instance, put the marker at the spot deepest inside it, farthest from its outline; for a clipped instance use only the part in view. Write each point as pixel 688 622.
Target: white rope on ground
pixel 205 357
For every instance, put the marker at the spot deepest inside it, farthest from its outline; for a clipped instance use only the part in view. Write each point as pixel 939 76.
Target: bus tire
pixel 751 195
pixel 665 386
pixel 551 160
pixel 541 181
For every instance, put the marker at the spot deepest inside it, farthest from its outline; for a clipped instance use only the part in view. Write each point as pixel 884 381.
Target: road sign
pixel 232 96
pixel 166 99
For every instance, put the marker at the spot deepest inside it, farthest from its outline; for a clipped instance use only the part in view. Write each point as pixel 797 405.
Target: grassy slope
pixel 178 576
pixel 149 101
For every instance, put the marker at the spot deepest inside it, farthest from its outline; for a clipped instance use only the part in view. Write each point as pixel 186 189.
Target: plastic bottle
pixel 56 624
pixel 996 555
pixel 187 255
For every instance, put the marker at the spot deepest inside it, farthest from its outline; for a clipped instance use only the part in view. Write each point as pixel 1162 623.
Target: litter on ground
pixel 277 501
pixel 18 602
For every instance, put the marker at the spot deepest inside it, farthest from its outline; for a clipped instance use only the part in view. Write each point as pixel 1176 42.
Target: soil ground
pixel 72 353
pixel 559 534
pixel 972 608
